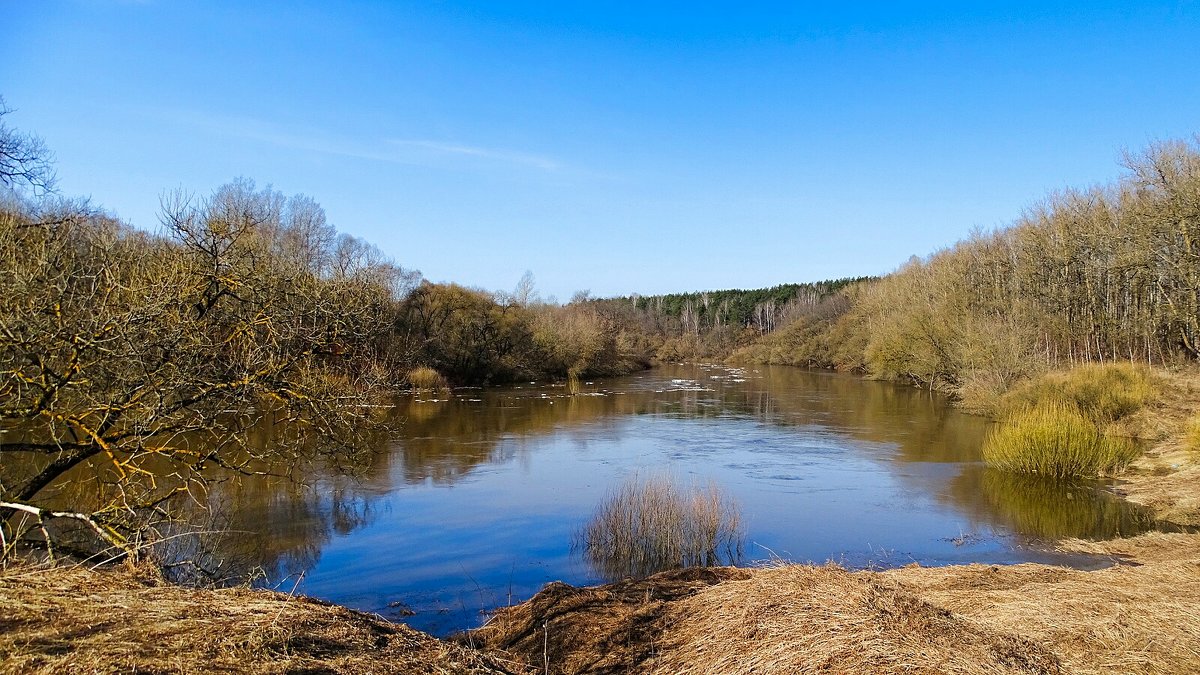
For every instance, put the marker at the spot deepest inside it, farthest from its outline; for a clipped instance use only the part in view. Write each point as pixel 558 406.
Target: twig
pixel 291 595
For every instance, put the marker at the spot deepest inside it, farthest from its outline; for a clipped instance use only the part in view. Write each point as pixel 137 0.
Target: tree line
pixel 245 335
pixel 1103 274
pixel 247 332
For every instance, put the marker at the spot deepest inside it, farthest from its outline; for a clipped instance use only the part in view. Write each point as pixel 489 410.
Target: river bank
pixel 1138 615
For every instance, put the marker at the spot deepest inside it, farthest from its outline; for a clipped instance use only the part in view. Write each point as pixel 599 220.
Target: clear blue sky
pixel 608 147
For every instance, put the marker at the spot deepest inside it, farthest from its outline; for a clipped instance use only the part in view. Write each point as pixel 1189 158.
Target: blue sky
pixel 606 146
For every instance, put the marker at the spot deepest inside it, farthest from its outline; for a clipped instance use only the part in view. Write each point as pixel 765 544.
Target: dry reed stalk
pixel 650 524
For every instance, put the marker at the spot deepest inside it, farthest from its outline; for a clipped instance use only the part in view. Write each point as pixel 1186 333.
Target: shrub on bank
pixel 1103 392
pixel 1056 439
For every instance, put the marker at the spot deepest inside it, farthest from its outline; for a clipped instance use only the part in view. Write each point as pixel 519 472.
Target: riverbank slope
pixel 1142 615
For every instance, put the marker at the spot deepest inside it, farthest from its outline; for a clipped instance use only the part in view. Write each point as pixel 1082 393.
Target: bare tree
pixel 133 365
pixel 24 159
pixel 525 293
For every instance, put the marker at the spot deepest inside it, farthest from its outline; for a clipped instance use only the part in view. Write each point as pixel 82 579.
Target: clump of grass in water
pixel 425 378
pixel 1057 440
pixel 649 525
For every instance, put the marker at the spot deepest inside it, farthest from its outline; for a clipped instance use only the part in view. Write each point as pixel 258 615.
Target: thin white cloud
pixel 487 153
pixel 400 151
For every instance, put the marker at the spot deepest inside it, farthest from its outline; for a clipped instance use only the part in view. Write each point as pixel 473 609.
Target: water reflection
pixel 1049 509
pixel 444 439
pixel 476 503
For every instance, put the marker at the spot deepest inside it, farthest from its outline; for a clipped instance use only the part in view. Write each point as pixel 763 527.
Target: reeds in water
pixel 652 524
pixel 1057 440
pixel 424 378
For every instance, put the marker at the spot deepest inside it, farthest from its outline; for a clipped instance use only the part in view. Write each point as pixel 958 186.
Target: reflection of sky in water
pixel 477 506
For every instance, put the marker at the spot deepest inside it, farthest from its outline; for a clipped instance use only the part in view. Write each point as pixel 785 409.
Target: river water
pixel 477 505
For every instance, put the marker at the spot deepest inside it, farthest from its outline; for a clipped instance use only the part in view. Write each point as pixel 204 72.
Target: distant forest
pixel 763 309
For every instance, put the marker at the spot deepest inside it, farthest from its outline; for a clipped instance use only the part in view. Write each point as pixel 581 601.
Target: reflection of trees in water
pixel 445 440
pixel 1046 508
pixel 261 527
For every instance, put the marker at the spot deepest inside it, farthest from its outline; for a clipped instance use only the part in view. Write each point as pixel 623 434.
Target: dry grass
pixel 1166 477
pixel 794 619
pixel 1104 392
pixel 799 619
pixel 1142 616
pixel 424 378
pixel 652 524
pixel 75 621
pixel 1056 440
pixel 605 629
pixel 1191 435
pixel 1167 480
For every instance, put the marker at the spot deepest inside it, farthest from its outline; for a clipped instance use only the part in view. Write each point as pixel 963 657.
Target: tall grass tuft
pixel 649 525
pixel 425 378
pixel 1057 440
pixel 1191 435
pixel 1104 392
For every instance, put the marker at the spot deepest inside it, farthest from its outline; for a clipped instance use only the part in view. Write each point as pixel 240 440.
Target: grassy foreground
pixel 1142 618
pixel 72 620
pixel 1139 616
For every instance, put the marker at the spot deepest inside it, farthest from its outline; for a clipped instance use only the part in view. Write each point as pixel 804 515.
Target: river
pixel 478 503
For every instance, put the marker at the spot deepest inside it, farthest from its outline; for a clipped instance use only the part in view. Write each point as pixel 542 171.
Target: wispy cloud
pixel 420 152
pixel 485 153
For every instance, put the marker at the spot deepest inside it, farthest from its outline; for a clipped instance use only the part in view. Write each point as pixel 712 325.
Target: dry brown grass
pixel 791 619
pixel 804 619
pixel 604 629
pixel 654 523
pixel 1166 477
pixel 79 621
pixel 1140 616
